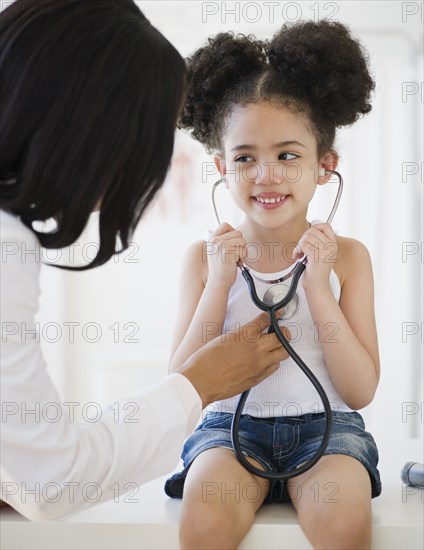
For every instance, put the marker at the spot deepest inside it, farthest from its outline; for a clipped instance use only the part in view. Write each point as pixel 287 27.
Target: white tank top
pixel 287 392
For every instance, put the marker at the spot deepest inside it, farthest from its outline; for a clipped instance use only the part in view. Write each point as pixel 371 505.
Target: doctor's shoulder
pixel 13 230
pixel 19 245
pixel 21 260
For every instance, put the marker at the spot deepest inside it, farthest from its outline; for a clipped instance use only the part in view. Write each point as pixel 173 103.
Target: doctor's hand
pixel 235 362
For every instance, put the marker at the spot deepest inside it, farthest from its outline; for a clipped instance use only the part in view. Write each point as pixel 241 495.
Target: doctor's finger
pixel 286 332
pixel 272 345
pixel 261 322
pixel 278 355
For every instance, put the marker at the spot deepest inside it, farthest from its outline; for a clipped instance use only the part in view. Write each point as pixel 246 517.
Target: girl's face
pixel 270 163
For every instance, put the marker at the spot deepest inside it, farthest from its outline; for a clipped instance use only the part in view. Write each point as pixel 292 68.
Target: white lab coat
pixel 50 469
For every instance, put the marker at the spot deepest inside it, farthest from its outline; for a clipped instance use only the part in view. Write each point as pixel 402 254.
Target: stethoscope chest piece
pixel 276 293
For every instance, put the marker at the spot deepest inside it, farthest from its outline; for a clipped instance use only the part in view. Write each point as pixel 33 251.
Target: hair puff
pixel 213 71
pixel 323 65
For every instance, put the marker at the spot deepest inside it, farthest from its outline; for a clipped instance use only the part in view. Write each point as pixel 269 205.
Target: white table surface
pixel 152 522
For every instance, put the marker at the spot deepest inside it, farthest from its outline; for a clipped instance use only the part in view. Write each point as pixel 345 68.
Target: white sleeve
pixel 52 465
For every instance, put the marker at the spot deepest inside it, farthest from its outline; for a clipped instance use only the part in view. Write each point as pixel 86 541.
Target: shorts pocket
pixel 349 418
pixel 215 420
pixel 286 440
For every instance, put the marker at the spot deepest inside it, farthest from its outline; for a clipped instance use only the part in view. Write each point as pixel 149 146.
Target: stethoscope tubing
pixel 235 425
pixel 295 273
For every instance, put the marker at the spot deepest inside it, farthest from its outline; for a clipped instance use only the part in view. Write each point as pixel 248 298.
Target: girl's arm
pixel 209 271
pixel 346 330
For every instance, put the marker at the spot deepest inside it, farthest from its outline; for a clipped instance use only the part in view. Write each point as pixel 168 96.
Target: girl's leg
pixel 333 501
pixel 220 501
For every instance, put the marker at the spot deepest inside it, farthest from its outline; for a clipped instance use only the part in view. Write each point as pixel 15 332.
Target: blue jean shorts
pixel 281 444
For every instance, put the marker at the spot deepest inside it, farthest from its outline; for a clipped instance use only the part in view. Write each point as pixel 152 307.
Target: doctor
pixel 89 100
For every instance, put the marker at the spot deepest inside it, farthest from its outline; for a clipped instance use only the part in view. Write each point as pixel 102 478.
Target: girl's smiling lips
pixel 269 200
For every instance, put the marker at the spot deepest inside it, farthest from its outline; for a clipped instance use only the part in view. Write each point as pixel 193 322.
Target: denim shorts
pixel 281 444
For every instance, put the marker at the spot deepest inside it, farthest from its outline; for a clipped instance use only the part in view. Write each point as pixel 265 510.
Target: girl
pixel 269 112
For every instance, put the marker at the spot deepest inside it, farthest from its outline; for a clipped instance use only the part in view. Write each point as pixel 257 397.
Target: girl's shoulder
pixel 351 256
pixel 196 259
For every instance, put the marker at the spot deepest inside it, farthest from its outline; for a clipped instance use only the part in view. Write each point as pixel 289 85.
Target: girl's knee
pixel 342 528
pixel 202 528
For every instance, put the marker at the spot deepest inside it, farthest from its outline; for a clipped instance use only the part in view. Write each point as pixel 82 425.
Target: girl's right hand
pixel 225 248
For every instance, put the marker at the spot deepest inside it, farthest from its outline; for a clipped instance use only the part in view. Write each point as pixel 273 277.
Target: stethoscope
pixel 276 297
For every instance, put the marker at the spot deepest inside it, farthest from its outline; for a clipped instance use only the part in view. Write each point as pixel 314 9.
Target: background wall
pixel 108 332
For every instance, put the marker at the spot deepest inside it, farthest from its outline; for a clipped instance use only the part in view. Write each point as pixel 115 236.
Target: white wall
pixel 381 206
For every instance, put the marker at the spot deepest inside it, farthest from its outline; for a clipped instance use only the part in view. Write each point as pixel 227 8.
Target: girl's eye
pixel 282 156
pixel 243 158
pixel 287 156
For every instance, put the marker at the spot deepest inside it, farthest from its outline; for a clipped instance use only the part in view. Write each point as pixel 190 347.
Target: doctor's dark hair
pixel 90 93
pixel 316 69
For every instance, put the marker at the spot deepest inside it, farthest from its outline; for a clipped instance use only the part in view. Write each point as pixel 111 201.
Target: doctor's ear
pixel 327 162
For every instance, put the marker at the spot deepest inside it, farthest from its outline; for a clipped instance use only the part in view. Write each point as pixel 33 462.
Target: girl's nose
pixel 268 173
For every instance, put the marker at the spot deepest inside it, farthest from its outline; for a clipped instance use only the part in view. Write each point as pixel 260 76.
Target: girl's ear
pixel 329 161
pixel 220 165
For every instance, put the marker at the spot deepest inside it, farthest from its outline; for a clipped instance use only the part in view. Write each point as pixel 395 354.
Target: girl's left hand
pixel 319 244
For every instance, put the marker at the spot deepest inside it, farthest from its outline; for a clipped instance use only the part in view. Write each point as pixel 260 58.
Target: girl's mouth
pixel 270 200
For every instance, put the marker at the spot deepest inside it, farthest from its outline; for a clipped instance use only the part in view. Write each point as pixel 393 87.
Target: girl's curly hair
pixel 314 68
